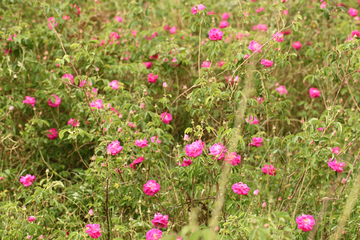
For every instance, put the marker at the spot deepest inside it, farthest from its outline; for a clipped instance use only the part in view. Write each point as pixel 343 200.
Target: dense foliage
pixel 179 120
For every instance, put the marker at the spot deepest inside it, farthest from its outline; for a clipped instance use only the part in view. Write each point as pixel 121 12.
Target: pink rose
pixel 154 234
pixel 296 45
pixel 215 34
pixel 152 78
pixel 160 221
pixel 114 148
pixel 31 218
pixel 56 103
pixel 194 149
pixel 151 188
pixel 218 150
pixel 269 169
pixel 252 120
pixel 257 141
pixel 305 222
pixel 30 100
pixel 336 166
pixel 240 188
pixel 233 159
pixel 223 24
pixel 186 162
pixel 141 143
pixel 336 150
pixel 267 63
pixel 97 104
pixel 281 89
pixel 173 30
pixel 114 84
pixel 136 162
pixel 148 64
pixel 53 133
pixel 201 7
pixel 93 230
pixel 206 64
pixel 255 47
pixel 27 180
pixel 225 16
pixel 118 18
pixel 353 12
pixel 278 37
pixel 314 93
pixel 194 10
pixel 166 117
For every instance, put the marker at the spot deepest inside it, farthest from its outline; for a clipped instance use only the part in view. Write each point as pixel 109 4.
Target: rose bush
pixel 179 120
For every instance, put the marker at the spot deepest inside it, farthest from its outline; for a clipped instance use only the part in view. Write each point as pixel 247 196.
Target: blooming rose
pixel 53 133
pixel 97 104
pixel 201 7
pixel 336 166
pixel 260 27
pixel 136 162
pixel 233 159
pixel 31 218
pixel 281 89
pixel 173 30
pixel 255 47
pixel 240 188
pixel 252 120
pixel 154 234
pixel 141 143
pixel 215 34
pixel 151 187
pixel 278 37
pixel 160 221
pixel 51 21
pixel 27 180
pixel 218 150
pixel 223 24
pixel 73 122
pixel 257 141
pixel 296 45
pixel 269 169
pixel 186 162
pixel 314 93
pixel 353 12
pixel 93 230
pixel 194 149
pixel 56 103
pixel 118 18
pixel 30 100
pixel 114 148
pixel 305 222
pixel 166 117
pixel 225 16
pixel 148 64
pixel 152 78
pixel 194 10
pixel 266 63
pixel 336 150
pixel 114 84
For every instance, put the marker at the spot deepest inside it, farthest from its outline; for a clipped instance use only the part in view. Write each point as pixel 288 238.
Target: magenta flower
pixel 118 18
pixel 51 23
pixel 136 162
pixel 255 47
pixel 97 104
pixel 269 169
pixel 257 141
pixel 93 230
pixel 256 192
pixel 296 45
pixel 206 64
pixel 132 125
pixel 336 166
pixel 281 89
pixel 69 76
pixel 336 150
pixel 233 159
pixel 353 12
pixel 160 221
pixel 314 93
pixel 260 9
pixel 114 84
pixel 320 129
pixel 186 162
pixel 27 180
pixel 73 122
pixel 266 63
pixel 141 143
pixel 152 78
pixel 155 139
pixel 56 103
pixel 278 37
pixel 114 148
pixel 201 7
pixel 260 27
pixel 252 120
pixel 52 133
pixel 173 30
pixel 148 64
pixel 305 222
pixel 194 10
pixel 151 188
pixel 225 16
pixel 355 33
pixel 218 150
pixel 30 100
pixel 215 34
pixel 223 24
pixel 166 117
pixel 31 218
pixel 194 149
pixel 221 63
pixel 91 212
pixel 154 234
pixel 240 188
